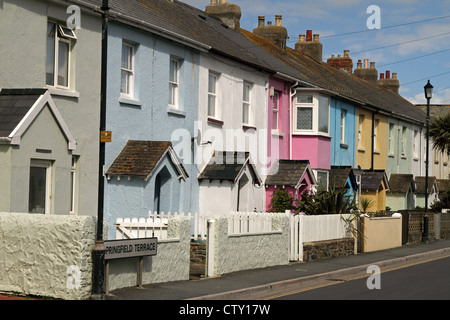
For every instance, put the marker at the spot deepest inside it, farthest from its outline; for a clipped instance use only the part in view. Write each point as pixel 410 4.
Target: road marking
pixel 335 282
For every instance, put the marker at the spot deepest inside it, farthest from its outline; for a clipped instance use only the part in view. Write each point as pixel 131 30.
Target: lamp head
pixel 428 90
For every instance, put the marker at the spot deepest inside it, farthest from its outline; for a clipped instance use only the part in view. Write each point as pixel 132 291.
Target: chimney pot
pixel 213 2
pixel 261 21
pixel 346 53
pixel 366 63
pixel 308 35
pixel 302 38
pixel 394 75
pixel 381 75
pixel 278 20
pixel 388 74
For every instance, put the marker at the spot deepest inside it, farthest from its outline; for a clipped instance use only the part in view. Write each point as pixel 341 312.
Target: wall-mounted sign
pixel 105 136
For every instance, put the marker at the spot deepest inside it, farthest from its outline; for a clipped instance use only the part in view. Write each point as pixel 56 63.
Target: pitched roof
pixel 14 105
pixel 443 184
pixel 228 165
pixel 400 183
pixel 338 177
pixel 140 158
pixel 19 108
pixel 372 180
pixel 289 173
pixel 341 83
pixel 420 184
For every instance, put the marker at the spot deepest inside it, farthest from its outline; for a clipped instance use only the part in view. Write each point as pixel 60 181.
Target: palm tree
pixel 440 133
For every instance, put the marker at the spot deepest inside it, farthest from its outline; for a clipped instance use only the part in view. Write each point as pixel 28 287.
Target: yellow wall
pixel 377 197
pixel 381 233
pixel 363 149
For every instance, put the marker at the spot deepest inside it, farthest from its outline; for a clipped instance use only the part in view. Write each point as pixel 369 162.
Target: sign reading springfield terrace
pixel 118 249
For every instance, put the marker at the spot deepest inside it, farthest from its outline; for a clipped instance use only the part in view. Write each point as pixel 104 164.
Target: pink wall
pixel 316 149
pixel 278 146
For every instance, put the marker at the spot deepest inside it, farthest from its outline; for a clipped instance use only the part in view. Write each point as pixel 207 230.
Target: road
pixel 428 280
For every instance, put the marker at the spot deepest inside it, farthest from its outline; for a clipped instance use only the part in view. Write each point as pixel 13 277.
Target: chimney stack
pixel 366 73
pixel 277 34
pixel 229 13
pixel 390 83
pixel 311 47
pixel 344 63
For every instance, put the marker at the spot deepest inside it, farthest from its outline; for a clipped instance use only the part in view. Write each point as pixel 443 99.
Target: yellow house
pixel 373 187
pixel 371 140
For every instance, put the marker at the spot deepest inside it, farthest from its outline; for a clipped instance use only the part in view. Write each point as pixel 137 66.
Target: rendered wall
pixel 171 263
pixel 46 255
pixel 381 233
pixel 250 251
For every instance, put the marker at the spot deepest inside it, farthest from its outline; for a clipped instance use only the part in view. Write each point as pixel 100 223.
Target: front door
pixel 40 187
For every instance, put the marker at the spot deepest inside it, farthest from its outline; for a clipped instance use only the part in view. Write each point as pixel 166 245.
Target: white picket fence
pixel 305 228
pixel 302 228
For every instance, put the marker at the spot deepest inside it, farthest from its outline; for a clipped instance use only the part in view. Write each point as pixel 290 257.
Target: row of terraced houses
pixel 204 116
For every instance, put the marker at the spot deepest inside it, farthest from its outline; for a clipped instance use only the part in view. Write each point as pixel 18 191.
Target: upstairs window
pixel 212 95
pixel 59 46
pixel 246 103
pixel 343 115
pixel 127 70
pixel 276 111
pixel 391 138
pixel 174 84
pixel 312 113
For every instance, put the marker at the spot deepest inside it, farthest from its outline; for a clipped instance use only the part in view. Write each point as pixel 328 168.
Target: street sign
pixel 118 249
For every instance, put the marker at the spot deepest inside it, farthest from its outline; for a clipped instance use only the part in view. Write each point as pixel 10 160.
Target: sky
pixel 413 38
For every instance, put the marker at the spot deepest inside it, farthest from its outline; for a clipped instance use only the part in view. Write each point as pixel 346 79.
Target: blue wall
pixel 342 155
pixel 147 117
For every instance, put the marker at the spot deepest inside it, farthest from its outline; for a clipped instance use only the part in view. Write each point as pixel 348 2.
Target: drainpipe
pixel 98 253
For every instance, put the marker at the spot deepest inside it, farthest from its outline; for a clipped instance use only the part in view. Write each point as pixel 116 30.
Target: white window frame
pixel 130 71
pixel 60 35
pixel 403 141
pixel 174 85
pixel 276 111
pixel 375 135
pixel 416 144
pixel 391 139
pixel 74 185
pixel 312 101
pixel 316 173
pixel 48 183
pixel 361 122
pixel 343 118
pixel 304 105
pixel 246 104
pixel 213 96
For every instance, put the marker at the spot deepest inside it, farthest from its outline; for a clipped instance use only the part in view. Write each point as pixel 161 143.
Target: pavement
pixel 266 282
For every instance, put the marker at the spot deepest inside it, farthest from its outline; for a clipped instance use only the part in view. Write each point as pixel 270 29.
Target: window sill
pixel 391 155
pixel 416 159
pixel 63 92
pixel 377 152
pixel 131 102
pixel 246 127
pixel 176 112
pixel 361 150
pixel 214 121
pixel 277 133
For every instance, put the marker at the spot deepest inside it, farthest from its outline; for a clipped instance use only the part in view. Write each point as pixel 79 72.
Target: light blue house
pixel 151 108
pixel 343 132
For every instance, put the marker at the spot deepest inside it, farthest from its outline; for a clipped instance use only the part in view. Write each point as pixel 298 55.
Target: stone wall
pixel 445 225
pixel 415 227
pixel 198 259
pixel 322 250
pixel 46 255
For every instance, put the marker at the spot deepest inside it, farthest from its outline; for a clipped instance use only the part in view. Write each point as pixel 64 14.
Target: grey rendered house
pixel 62 66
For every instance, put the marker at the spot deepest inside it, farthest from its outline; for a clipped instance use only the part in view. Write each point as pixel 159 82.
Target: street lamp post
pixel 428 95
